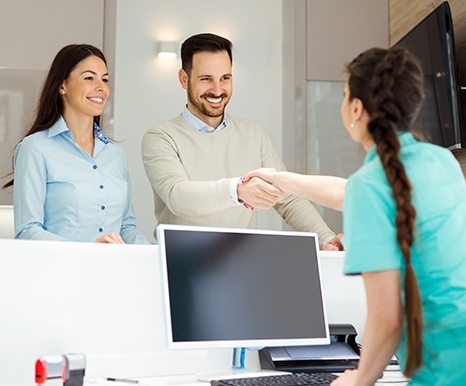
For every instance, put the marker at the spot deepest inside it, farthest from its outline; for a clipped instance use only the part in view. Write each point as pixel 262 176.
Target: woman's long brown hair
pixel 390 85
pixel 50 105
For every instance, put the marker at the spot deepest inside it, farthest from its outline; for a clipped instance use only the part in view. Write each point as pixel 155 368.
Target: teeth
pixel 214 100
pixel 99 100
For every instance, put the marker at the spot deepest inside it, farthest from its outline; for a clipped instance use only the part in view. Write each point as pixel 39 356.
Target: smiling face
pixel 209 86
pixel 86 90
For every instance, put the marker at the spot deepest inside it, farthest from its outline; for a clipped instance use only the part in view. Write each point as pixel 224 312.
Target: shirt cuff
pixel 327 240
pixel 234 190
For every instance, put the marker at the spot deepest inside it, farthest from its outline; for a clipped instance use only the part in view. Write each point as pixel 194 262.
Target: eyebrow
pixel 93 72
pixel 211 76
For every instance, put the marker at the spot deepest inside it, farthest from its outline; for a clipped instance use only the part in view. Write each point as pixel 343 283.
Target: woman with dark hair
pixel 70 180
pixel 404 220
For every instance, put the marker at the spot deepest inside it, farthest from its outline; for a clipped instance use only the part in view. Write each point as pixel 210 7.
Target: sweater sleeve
pixel 169 180
pixel 301 215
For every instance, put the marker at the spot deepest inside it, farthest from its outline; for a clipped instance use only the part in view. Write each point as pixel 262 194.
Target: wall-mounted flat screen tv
pixel 432 41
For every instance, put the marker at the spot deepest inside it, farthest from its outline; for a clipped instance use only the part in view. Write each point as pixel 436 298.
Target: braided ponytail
pixel 392 98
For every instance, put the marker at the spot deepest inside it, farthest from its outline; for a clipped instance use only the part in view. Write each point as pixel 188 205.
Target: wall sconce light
pixel 167 50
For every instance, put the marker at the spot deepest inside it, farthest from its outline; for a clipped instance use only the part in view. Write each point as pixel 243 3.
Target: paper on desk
pixel 390 377
pixel 104 382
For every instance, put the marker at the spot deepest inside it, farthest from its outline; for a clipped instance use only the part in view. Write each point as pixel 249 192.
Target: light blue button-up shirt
pixel 199 125
pixel 63 193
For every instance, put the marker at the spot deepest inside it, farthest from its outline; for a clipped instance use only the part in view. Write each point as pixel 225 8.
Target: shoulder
pixel 244 123
pixel 431 157
pixel 33 143
pixel 173 124
pixel 247 130
pixel 370 174
pixel 368 186
pixel 167 135
pixel 173 131
pixel 442 154
pixel 36 138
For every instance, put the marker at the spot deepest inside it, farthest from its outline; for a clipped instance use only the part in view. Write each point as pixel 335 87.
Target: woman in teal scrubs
pixel 404 220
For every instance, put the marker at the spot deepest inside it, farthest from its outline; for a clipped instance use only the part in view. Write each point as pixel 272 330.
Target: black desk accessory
pixel 341 354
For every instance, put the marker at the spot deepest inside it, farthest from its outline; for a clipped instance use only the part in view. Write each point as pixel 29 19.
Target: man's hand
pixel 259 194
pixel 334 244
pixel 110 238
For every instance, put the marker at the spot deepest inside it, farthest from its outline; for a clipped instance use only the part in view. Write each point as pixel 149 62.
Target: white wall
pixel 31 33
pixel 147 91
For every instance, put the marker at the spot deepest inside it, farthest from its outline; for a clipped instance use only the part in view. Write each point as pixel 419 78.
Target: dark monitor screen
pixel 241 288
pixel 432 42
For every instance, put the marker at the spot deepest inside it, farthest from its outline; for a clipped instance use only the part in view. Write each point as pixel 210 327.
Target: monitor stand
pixel 237 370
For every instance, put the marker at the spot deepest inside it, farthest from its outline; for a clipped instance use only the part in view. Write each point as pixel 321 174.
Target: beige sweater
pixel 190 173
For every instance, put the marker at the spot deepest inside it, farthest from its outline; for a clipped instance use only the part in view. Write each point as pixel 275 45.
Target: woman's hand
pixel 266 174
pixel 110 238
pixel 327 191
pixel 348 378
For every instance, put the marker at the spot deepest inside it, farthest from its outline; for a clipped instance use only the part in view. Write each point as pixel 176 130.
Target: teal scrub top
pixel 438 251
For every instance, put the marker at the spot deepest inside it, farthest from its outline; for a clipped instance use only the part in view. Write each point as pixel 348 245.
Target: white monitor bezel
pixel 249 343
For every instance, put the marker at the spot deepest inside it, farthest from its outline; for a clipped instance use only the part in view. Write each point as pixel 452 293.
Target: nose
pixel 101 85
pixel 216 88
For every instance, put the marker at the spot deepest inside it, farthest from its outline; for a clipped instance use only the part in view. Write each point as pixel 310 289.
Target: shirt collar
pixel 196 124
pixel 99 134
pixel 60 127
pixel 405 138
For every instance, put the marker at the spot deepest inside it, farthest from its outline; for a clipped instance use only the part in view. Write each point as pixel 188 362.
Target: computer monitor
pixel 432 41
pixel 241 288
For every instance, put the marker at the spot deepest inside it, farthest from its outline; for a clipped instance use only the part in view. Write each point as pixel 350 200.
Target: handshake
pixel 257 189
pixel 263 188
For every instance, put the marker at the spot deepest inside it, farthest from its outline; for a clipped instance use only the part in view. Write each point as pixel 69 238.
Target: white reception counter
pixel 105 301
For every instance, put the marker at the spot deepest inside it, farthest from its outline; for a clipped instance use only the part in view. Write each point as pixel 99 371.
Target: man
pixel 195 162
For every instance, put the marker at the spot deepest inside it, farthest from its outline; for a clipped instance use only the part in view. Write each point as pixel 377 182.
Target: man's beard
pixel 206 110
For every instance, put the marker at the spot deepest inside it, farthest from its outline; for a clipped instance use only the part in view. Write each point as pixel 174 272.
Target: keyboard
pixel 301 379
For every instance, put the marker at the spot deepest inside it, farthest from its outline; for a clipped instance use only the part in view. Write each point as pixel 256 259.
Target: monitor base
pixel 238 370
pixel 235 373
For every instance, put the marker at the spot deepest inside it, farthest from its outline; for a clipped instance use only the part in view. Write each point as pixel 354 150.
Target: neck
pixel 367 143
pixel 82 130
pixel 211 121
pixel 365 138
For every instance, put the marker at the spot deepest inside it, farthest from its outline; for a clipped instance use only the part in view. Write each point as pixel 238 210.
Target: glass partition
pixel 330 148
pixel 18 98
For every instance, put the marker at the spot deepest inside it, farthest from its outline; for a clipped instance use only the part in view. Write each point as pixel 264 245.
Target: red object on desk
pixel 49 368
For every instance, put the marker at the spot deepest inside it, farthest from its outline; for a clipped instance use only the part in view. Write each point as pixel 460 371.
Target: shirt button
pixel 94 167
pixel 101 186
pixel 102 207
pixel 101 230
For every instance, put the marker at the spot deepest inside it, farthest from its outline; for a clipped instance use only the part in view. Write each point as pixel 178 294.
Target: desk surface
pixel 390 377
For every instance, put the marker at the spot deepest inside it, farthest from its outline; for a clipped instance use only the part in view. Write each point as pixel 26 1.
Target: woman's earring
pixel 62 92
pixel 352 124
